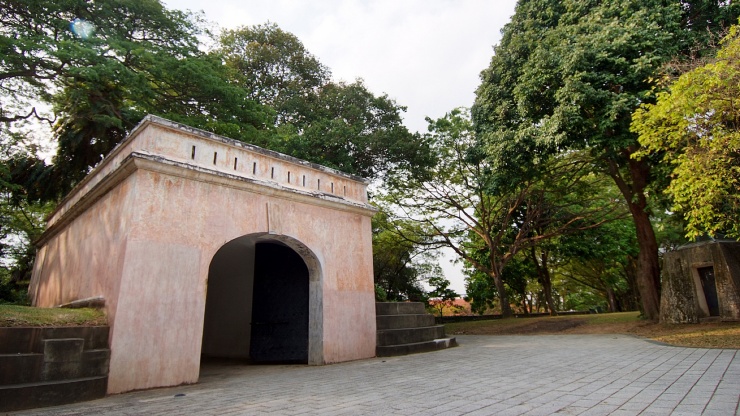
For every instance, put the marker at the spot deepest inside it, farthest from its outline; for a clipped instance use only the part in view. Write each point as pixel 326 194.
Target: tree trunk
pixel 610 298
pixel 547 287
pixel 648 266
pixel 543 276
pixel 631 300
pixel 503 298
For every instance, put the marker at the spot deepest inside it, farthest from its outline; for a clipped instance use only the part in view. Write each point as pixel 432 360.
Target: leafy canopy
pixel 569 74
pixel 274 67
pixel 341 125
pixel 695 128
pixel 136 57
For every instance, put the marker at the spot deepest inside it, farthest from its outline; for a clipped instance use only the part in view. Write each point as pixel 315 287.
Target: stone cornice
pixel 142 161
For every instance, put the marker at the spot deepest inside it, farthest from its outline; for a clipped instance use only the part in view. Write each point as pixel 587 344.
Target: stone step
pixel 37 368
pixel 52 393
pixel 16 340
pixel 20 368
pixel 409 335
pixel 399 308
pixel 404 321
pixel 416 347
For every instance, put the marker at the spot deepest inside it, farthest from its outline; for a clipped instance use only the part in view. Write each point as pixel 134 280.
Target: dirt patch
pixel 515 326
pixel 545 327
pixel 711 334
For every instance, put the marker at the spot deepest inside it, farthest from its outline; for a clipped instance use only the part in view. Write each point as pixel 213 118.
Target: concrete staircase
pixel 52 366
pixel 406 328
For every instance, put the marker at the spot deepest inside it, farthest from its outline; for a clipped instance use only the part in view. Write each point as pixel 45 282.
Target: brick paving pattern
pixel 485 375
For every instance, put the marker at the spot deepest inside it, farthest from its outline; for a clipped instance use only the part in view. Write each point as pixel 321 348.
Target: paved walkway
pixel 502 375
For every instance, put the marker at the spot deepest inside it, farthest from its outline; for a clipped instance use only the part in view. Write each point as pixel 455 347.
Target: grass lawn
pixel 704 335
pixel 14 315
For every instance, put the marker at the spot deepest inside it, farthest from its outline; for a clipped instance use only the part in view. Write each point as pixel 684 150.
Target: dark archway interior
pixel 280 305
pixel 257 303
pixel 709 286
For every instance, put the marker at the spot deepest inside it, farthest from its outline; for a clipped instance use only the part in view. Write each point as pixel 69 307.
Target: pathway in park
pixel 485 375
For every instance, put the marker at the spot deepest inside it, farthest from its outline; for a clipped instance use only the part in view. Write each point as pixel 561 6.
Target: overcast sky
pixel 425 54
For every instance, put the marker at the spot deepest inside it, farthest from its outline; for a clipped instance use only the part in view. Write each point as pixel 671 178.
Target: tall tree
pixel 461 195
pixel 695 127
pixel 568 75
pixel 601 259
pixel 275 68
pixel 441 297
pixel 106 64
pixel 351 129
pixel 337 124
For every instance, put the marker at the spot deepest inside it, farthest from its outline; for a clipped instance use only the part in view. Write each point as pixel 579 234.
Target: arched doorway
pixel 263 302
pixel 279 305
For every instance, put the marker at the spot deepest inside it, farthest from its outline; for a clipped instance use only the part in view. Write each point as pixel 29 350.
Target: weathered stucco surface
pixel 683 299
pixel 143 227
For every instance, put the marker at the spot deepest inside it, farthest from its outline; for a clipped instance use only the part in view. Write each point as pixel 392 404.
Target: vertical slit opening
pixel 235 162
pixel 215 156
pixel 192 153
pixel 272 173
pixel 254 168
pixel 304 180
pixel 318 184
pixel 332 187
pixel 289 177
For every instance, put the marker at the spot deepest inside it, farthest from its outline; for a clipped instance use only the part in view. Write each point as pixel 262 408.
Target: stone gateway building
pixel 701 280
pixel 206 246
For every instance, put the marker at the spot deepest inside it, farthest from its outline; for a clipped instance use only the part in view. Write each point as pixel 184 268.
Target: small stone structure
pixel 206 246
pixel 701 280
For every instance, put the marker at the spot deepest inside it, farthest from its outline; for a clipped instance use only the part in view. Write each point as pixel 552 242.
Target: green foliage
pixel 441 297
pixel 350 129
pixel 13 292
pixel 141 58
pixel 585 300
pixel 571 77
pixel 568 75
pixel 464 204
pixel 275 68
pixel 596 266
pixel 340 125
pixel 21 222
pixel 695 128
pixel 380 294
pixel 441 288
pixel 481 291
pixel 481 288
pixel 400 264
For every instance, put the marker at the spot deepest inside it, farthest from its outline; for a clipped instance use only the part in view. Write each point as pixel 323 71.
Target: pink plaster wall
pixel 146 246
pixel 86 258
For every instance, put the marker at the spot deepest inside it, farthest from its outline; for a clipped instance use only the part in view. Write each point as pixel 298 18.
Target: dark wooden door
pixel 279 306
pixel 708 284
